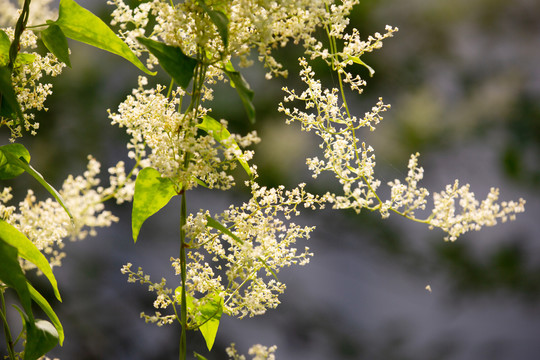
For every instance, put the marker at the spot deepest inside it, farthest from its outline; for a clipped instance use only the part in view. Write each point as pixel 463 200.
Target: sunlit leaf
pixel 210 221
pixel 207 316
pixel 209 320
pixel 79 24
pixel 200 182
pixel 28 251
pixel 4 48
pixel 222 135
pixel 25 58
pixel 171 58
pixel 357 60
pixel 152 192
pixel 55 40
pixel 199 356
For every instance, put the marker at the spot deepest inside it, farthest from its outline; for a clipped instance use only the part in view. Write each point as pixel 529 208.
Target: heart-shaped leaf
pixel 207 316
pixel 152 192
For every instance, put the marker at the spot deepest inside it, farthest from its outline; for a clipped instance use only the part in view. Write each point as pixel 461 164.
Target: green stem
pixel 19 28
pixel 183 310
pixel 7 332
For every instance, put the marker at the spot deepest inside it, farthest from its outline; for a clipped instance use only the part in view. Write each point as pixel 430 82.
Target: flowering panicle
pixel 260 352
pixel 164 296
pixel 28 70
pixel 471 214
pixel 261 25
pixel 47 224
pixel 257 244
pixel 353 164
pixel 240 264
pixel 177 149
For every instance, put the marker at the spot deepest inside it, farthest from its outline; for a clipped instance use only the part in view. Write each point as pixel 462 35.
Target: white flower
pixel 47 224
pixel 260 245
pixel 455 210
pixel 26 76
pixel 170 141
pixel 259 351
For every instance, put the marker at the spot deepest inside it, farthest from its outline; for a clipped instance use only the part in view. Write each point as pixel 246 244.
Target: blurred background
pixel 463 78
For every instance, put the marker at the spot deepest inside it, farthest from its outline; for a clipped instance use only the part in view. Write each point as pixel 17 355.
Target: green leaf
pixel 41 337
pixel 79 24
pixel 9 106
pixel 28 251
pixel 243 89
pixel 4 48
pixel 13 276
pixel 14 159
pixel 171 58
pixel 209 319
pixel 47 309
pixel 55 40
pixel 152 192
pixel 25 58
pixel 7 169
pixel 210 221
pixel 199 356
pixel 200 182
pixel 220 134
pixel 206 317
pixel 220 20
pixel 357 60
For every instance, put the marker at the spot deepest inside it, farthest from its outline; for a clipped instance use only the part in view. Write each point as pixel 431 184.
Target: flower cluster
pixel 252 24
pixel 249 254
pixel 28 70
pixel 237 255
pixel 47 224
pixel 163 298
pixel 353 164
pixel 471 214
pixel 178 150
pixel 260 352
